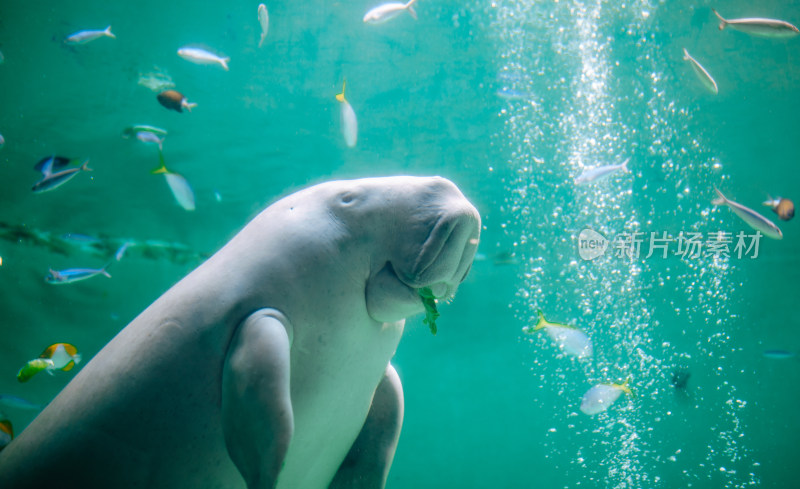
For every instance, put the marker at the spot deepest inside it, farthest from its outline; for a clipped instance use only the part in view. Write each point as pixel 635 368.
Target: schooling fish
pixel 58 356
pixel 348 120
pixel 52 181
pixel 784 208
pixel 83 37
pixel 174 100
pixel 759 27
pixel 74 275
pixel 387 11
pixel 263 19
pixel 602 396
pixel 8 400
pixel 600 172
pixel 202 56
pixel 573 341
pixel 751 217
pixel 705 77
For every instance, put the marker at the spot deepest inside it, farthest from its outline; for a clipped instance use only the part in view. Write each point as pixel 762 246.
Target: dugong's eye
pixel 348 198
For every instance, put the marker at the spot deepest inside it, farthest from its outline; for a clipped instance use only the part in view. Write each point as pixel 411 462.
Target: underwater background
pixel 510 99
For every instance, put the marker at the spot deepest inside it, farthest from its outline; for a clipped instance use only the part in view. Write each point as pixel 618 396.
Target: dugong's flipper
pixel 368 462
pixel 257 416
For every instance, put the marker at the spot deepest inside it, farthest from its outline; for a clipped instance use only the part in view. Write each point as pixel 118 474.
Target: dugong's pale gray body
pixel 268 365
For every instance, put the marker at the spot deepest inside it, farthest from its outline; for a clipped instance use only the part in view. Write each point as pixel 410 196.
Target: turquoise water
pixel 509 99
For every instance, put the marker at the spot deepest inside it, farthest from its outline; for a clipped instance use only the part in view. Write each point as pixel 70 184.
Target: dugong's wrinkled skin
pixel 268 365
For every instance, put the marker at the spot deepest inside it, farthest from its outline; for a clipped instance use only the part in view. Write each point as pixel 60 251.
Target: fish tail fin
pixel 188 105
pixel 224 63
pixel 162 166
pixel 624 387
pixel 722 21
pixel 104 271
pixel 541 322
pixel 625 165
pixel 720 200
pixel 340 96
pixel 85 166
pixel 261 41
pixel 107 31
pixel 411 11
pixel 770 201
pixel 685 54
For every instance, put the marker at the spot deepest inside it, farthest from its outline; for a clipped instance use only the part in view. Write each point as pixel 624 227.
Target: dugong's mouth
pixel 441 263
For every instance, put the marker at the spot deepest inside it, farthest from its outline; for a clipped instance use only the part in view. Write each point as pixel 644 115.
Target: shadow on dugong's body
pixel 268 365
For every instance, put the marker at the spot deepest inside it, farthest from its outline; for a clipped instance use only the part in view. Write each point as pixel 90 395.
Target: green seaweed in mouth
pixel 431 313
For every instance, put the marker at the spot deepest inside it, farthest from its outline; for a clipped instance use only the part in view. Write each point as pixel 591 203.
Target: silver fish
pixel 704 76
pixel 751 217
pixel 202 56
pixel 82 37
pixel 759 27
pixel 74 275
pixel 51 181
pixel 263 19
pixel 600 172
pixel 148 137
pixel 387 11
pixel 2 141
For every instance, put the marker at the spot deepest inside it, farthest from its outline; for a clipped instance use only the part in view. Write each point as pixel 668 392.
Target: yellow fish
pixel 58 356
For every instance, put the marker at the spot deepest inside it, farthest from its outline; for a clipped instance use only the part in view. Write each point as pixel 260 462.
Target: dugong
pixel 268 365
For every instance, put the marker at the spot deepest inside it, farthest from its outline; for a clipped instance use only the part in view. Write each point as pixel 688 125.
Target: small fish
pixel 263 19
pixel 132 131
pixel 387 11
pixel 52 181
pixel 6 432
pixel 178 185
pixel 705 77
pixel 202 56
pixel 778 354
pixel 2 141
pixel 80 238
pixel 74 275
pixel 157 82
pixel 784 208
pixel 174 100
pixel 751 217
pixel 600 172
pixel 348 120
pixel 573 341
pixel 759 27
pixel 602 396
pixel 150 138
pixel 83 37
pixel 58 356
pixel 121 251
pixel 15 402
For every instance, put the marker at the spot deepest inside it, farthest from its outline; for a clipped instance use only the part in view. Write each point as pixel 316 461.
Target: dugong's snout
pixel 437 244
